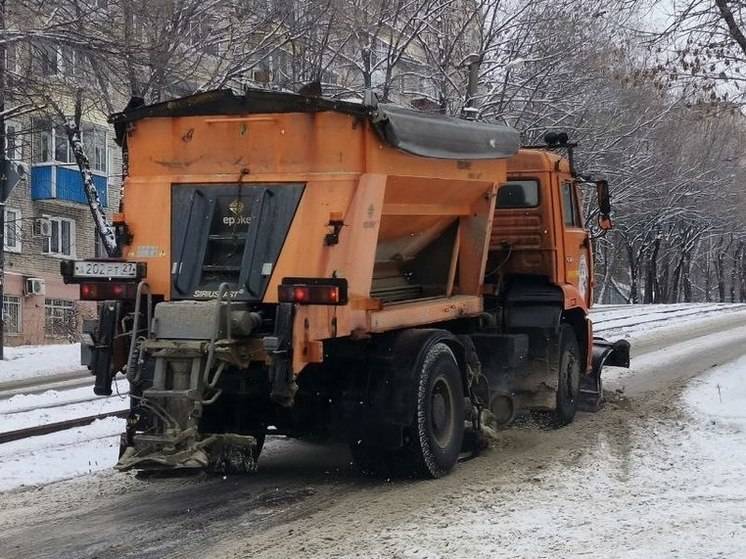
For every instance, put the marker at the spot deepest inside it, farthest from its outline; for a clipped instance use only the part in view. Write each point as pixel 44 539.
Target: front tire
pixel 436 433
pixel 568 385
pixel 259 445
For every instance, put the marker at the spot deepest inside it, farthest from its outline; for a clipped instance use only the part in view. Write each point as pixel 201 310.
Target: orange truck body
pixel 385 198
pixel 461 249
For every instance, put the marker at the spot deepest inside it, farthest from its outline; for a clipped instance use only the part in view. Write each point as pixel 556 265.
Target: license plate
pixel 84 269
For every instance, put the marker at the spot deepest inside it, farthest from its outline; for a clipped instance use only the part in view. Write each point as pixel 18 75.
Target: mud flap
pixel 615 354
pixel 280 348
pixel 103 349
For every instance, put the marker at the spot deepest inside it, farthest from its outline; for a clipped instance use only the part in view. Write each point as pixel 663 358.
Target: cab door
pixel 576 243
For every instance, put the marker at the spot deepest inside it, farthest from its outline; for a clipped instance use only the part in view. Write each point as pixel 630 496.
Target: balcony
pixel 53 181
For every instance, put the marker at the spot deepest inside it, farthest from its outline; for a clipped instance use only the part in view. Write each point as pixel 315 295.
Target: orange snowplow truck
pixel 302 266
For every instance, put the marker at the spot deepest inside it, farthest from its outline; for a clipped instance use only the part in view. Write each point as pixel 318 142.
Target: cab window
pixel 570 213
pixel 518 194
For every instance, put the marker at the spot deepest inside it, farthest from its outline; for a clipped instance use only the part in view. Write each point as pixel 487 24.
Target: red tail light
pixel 313 291
pixel 107 290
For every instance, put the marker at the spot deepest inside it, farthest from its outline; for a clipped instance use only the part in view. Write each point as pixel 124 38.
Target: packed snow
pixel 52 398
pixel 28 410
pixel 26 362
pixel 720 396
pixel 649 363
pixel 630 321
pixel 62 455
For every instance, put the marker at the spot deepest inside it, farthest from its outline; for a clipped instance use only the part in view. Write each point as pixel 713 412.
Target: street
pixel 651 475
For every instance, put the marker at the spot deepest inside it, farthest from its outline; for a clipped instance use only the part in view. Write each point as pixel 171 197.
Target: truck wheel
pixel 569 377
pixel 591 392
pixel 259 445
pixel 437 429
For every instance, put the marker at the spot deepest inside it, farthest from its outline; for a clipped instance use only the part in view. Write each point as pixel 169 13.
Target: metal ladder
pixel 134 371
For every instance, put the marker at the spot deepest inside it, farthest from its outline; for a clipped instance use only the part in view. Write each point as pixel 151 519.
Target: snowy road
pixel 658 473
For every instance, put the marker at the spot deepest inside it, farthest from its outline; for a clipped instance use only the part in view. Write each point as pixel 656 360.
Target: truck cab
pixel 538 220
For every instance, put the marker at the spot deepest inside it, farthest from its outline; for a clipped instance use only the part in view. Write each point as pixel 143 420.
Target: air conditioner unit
pixel 42 227
pixel 33 286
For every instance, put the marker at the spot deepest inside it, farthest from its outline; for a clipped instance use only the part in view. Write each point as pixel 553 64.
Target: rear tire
pixel 435 436
pixel 259 445
pixel 568 386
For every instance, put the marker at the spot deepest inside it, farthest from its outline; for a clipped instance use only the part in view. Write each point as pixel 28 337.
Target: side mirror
pixel 604 199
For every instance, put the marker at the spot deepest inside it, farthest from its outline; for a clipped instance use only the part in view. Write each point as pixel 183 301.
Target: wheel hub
pixel 441 411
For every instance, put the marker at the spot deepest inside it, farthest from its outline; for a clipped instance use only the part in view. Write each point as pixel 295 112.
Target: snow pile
pixel 53 414
pixel 38 361
pixel 62 455
pixel 631 321
pixel 721 395
pixel 58 398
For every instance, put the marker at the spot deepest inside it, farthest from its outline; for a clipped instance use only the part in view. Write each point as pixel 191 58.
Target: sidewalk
pixel 26 366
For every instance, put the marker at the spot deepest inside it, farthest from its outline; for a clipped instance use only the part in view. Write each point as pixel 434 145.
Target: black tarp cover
pixel 415 132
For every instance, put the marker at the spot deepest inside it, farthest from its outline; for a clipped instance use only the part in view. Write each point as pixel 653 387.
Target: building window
pixel 61 241
pixel 328 77
pixel 12 230
pixel 11 57
pixel 60 60
pixel 46 60
pixel 281 67
pixel 51 144
pixel 202 36
pixel 62 151
pixel 136 28
pixel 42 145
pixel 12 319
pixel 99 251
pixel 94 142
pixel 73 62
pixel 61 319
pixel 12 141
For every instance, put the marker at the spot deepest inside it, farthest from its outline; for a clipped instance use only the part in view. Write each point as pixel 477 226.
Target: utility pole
pixel 4 168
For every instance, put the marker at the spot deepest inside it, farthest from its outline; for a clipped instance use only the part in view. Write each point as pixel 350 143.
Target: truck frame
pixel 305 266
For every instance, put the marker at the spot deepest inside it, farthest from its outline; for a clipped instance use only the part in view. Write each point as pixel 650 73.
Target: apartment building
pixel 47 220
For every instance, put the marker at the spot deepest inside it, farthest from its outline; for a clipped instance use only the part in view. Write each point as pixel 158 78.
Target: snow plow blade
pixel 615 354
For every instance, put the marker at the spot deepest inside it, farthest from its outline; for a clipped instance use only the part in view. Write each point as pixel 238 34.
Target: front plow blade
pixel 615 354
